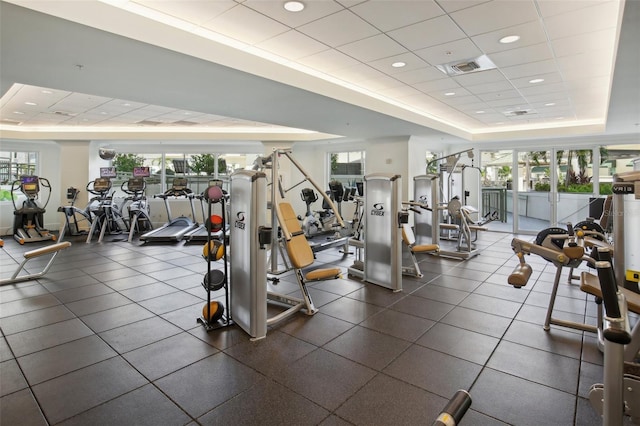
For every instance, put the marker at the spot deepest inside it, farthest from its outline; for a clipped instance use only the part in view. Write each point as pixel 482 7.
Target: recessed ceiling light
pixel 450 93
pixel 31 103
pixel 536 80
pixel 559 118
pixel 294 6
pixel 509 39
pixel 398 64
pixel 18 112
pixel 479 112
pixel 126 104
pixel 103 112
pixel 550 104
pixel 46 92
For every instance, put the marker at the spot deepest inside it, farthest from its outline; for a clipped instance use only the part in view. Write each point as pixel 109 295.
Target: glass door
pixel 496 187
pixel 533 196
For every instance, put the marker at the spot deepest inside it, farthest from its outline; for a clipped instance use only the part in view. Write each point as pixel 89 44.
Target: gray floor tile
pixel 433 371
pixel 499 395
pixel 491 305
pixel 34 319
pixel 58 360
pixel 325 378
pixel 202 386
pixel 377 295
pixel 350 310
pixel 135 335
pixel 84 292
pixel 11 377
pixel 388 401
pixel 317 329
pixel 442 294
pixel 465 344
pixel 143 406
pixel 21 408
pixel 480 322
pixel 367 347
pixel 98 303
pixel 116 317
pixel 86 388
pixel 267 403
pixel 30 341
pixel 169 355
pixel 398 324
pixel 421 307
pixel 21 306
pixel 270 355
pixel 171 302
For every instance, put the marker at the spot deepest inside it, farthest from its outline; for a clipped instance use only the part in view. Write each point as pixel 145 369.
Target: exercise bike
pixel 29 218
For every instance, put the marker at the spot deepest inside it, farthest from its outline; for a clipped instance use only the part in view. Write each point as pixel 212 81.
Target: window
pixel 347 167
pixel 14 164
pixel 199 169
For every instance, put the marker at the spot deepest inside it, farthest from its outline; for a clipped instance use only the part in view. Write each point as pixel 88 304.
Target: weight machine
pixel 271 164
pixel 379 254
pixel 251 289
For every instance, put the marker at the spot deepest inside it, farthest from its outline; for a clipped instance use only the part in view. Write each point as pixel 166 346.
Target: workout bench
pixel 301 256
pixel 410 241
pixel 32 254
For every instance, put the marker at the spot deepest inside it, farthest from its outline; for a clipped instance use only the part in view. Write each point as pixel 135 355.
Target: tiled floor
pixel 109 337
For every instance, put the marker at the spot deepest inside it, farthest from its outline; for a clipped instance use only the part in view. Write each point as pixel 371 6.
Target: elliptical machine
pixel 29 219
pixel 139 220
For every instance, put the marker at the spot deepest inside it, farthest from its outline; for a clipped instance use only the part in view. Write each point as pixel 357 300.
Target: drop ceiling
pixel 327 71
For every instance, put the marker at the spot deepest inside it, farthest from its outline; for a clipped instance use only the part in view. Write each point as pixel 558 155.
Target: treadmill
pixel 175 229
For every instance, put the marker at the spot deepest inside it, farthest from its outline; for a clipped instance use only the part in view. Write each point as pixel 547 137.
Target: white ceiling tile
pixel 498 96
pixel 529 32
pixel 530 69
pixel 292 45
pixel 585 43
pixel 446 53
pixel 381 83
pixel 400 92
pixel 420 75
pixel 412 62
pixel 459 100
pixel 338 29
pixel 350 3
pixel 427 33
pixel 358 73
pixel 501 103
pixel 246 25
pixel 546 97
pixel 494 15
pixel 372 48
pixel 328 60
pixel 524 82
pixel 446 84
pixel 451 6
pixel 555 7
pixel 589 19
pixel 584 65
pixel 78 102
pixel 440 94
pixel 313 10
pixel 390 15
pixel 536 89
pixel 479 77
pixel 496 86
pixel 196 11
pixel 533 53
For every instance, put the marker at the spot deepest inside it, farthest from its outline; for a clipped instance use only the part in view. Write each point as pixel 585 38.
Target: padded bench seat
pixel 590 283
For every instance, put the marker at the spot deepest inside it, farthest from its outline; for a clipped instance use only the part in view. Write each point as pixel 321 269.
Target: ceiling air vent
pixel 519 112
pixel 481 63
pixel 10 121
pixel 184 123
pixel 149 123
pixel 64 113
pixel 465 67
